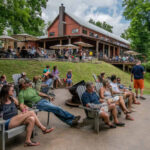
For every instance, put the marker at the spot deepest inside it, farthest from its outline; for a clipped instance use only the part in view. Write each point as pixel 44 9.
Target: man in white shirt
pixel 116 90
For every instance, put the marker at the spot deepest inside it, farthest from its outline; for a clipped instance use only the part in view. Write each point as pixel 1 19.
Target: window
pixel 75 30
pixel 84 31
pixel 51 33
pixel 91 34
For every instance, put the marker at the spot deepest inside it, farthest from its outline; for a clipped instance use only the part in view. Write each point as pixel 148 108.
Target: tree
pixel 22 16
pixel 125 35
pixel 138 12
pixel 103 25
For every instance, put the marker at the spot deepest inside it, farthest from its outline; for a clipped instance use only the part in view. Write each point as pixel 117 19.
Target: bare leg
pixel 30 121
pixel 122 104
pixel 141 92
pixel 112 108
pixel 105 117
pixel 136 91
pixel 19 120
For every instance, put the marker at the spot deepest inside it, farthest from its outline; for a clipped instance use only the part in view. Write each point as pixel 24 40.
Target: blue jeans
pixel 45 105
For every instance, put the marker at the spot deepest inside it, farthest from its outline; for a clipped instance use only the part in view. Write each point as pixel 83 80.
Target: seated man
pixel 23 76
pixel 90 98
pixel 29 96
pixel 125 93
pixel 47 84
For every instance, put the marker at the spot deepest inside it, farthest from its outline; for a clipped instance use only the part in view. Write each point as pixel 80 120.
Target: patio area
pixel 135 135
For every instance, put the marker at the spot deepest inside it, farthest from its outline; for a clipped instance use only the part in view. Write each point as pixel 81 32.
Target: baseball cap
pixel 21 81
pixel 23 73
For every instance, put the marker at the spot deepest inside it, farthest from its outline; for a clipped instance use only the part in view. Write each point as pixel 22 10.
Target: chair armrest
pixel 2 125
pixel 2 122
pixel 87 108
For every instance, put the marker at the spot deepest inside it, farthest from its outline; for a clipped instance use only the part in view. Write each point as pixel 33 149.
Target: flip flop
pixel 31 144
pixel 48 130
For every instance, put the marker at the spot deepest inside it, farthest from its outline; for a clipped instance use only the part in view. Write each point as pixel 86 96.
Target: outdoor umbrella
pixel 132 53
pixel 71 46
pixel 25 37
pixel 6 39
pixel 59 46
pixel 83 44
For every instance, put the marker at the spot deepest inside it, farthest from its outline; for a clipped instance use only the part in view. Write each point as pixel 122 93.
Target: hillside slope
pixel 81 71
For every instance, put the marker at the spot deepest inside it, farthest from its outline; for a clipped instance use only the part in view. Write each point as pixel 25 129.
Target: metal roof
pixel 97 29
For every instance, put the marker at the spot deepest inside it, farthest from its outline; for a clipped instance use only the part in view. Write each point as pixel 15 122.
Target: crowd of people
pixel 30 52
pixel 124 58
pixel 36 93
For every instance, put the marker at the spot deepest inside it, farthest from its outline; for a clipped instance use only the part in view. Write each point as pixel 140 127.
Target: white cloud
pixel 79 7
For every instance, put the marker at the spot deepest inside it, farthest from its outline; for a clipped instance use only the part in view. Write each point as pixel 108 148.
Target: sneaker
pixel 77 118
pixel 75 121
pixel 143 98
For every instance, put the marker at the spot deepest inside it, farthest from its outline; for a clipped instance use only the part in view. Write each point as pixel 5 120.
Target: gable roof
pixel 92 27
pixel 97 29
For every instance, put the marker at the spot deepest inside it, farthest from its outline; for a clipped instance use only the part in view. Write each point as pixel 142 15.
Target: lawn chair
pixel 15 79
pixel 8 134
pixel 92 116
pixel 98 85
pixel 95 77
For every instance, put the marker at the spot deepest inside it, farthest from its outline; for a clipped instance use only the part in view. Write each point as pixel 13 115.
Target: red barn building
pixel 68 29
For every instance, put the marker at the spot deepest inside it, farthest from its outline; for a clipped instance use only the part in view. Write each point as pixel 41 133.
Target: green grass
pixel 81 71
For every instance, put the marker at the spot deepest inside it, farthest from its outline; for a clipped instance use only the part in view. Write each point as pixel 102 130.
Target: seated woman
pixel 8 104
pixel 69 78
pixel 106 93
pixel 55 73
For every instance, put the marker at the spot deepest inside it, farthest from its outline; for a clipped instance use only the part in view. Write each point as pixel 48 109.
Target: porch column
pixel 69 41
pixel 60 42
pixel 97 48
pixel 114 51
pixel 118 51
pixel 103 50
pixel 44 44
pixel 108 51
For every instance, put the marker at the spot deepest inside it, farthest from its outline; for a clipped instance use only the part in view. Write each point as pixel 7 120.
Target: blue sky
pixel 109 11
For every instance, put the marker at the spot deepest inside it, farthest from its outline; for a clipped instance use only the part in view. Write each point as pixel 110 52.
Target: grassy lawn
pixel 81 71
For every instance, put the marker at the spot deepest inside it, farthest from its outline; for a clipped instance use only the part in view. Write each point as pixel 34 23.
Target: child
pixel 69 79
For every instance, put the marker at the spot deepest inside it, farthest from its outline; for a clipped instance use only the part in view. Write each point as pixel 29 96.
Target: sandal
pixel 137 102
pixel 48 130
pixel 111 125
pixel 31 144
pixel 128 117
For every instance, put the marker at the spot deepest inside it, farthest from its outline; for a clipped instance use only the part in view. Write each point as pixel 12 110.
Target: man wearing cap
pixel 29 96
pixel 23 76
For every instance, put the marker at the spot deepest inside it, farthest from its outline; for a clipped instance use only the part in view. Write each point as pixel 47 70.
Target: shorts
pixel 103 109
pixel 7 124
pixel 113 99
pixel 139 83
pixel 69 81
